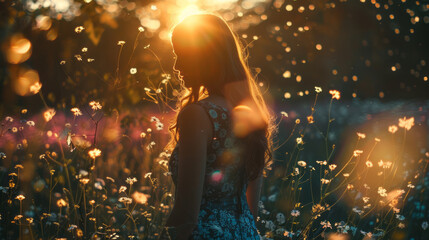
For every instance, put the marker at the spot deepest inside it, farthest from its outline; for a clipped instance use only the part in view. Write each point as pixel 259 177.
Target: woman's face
pixel 190 66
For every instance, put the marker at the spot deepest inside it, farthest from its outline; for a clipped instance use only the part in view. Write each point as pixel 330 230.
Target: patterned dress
pixel 224 212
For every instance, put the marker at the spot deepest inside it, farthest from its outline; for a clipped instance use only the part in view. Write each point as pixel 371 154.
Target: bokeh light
pixel 26 83
pixel 18 49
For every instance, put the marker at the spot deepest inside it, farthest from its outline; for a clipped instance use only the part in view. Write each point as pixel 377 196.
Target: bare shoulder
pixel 194 117
pixel 193 111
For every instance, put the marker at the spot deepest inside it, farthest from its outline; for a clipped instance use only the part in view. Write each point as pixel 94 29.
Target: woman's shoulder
pixel 193 111
pixel 193 119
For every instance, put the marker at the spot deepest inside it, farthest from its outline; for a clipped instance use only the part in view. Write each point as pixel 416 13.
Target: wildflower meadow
pixel 88 93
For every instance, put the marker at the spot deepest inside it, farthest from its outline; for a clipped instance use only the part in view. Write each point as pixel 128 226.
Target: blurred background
pixel 57 55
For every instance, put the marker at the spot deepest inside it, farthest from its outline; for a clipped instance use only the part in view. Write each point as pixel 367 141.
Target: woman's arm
pixel 195 130
pixel 253 194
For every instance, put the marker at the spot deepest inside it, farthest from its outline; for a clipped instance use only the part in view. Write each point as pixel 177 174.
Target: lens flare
pixel 27 83
pixel 18 50
pixel 187 11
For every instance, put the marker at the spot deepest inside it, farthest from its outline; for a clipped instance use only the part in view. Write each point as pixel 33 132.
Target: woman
pixel 224 130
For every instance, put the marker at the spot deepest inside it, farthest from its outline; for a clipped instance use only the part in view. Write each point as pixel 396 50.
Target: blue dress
pixel 224 212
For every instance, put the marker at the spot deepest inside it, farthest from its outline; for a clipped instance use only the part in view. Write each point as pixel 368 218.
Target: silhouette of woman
pixel 221 139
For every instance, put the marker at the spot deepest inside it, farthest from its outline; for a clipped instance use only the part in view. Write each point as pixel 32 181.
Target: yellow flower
pixel 322 162
pixel 122 189
pixel 20 197
pixel 357 153
pixel 95 105
pixel 35 88
pixel 318 89
pixel 383 164
pixel 332 167
pixel 284 114
pixel 79 29
pixel 369 164
pixel 61 203
pixel 361 135
pixel 382 191
pixel 84 180
pixel 19 166
pixel 335 94
pixel 406 123
pixel 302 163
pixel 125 200
pixel 49 114
pixel 76 111
pixel 325 181
pixel 310 119
pixel 393 128
pixel 131 181
pixel 94 153
pixel 79 233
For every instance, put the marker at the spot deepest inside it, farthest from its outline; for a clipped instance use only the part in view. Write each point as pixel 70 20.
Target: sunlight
pixel 329 115
pixel 187 11
pixel 19 49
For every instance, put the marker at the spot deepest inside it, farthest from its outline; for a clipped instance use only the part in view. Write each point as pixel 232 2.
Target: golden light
pixel 139 197
pixel 62 203
pixel 49 114
pixel 27 83
pixel 94 153
pixel 187 11
pixel 286 74
pixel 382 158
pixel 20 197
pixel 52 34
pixel 35 88
pixel 246 120
pixel 18 50
pixel 43 22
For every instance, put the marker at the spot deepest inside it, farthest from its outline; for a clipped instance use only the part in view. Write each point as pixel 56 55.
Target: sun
pixel 187 11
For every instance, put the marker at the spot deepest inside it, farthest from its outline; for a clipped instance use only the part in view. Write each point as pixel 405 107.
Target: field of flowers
pixel 80 173
pixel 83 130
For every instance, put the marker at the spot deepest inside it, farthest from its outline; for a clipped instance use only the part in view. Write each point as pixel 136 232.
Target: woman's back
pixel 224 212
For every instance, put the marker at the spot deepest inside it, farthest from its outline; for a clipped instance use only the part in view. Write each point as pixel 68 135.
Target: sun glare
pixel 187 11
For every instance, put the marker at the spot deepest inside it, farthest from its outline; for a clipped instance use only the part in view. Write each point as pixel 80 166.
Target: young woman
pixel 221 136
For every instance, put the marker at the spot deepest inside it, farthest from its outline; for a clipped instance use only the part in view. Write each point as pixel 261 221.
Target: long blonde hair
pixel 209 36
